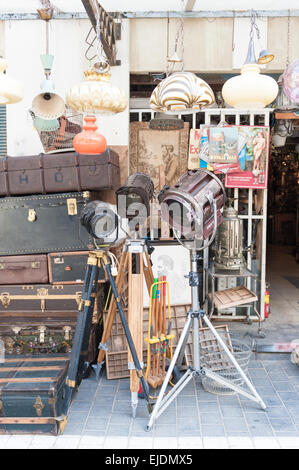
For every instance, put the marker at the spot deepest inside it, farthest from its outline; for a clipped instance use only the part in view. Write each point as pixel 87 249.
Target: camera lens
pixel 103 224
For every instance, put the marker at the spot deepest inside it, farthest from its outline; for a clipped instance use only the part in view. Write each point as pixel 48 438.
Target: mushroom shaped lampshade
pixel 181 91
pixel 250 89
pixel 290 81
pixel 11 90
pixel 96 95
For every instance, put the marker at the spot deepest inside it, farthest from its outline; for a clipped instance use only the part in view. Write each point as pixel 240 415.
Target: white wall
pixel 24 42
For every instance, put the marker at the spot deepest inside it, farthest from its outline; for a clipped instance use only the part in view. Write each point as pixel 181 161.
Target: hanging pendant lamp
pixel 96 95
pixel 250 89
pixel 47 105
pixel 181 92
pixel 11 90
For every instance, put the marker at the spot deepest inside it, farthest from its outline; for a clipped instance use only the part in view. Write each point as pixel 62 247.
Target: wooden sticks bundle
pixel 157 347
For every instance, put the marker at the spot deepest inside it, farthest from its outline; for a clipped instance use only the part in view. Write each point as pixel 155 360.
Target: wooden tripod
pixel 132 261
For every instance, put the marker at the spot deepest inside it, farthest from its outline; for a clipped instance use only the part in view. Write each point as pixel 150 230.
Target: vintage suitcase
pixel 43 224
pixel 35 335
pixel 24 269
pixel 59 172
pixel 40 297
pixel 32 394
pixel 69 268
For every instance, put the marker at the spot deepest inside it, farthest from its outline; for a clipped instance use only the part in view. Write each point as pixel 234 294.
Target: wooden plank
pixel 33 369
pixel 37 359
pixel 28 380
pixel 135 317
pixel 28 421
pixel 286 116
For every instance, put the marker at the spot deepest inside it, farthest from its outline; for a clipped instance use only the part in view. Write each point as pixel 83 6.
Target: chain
pixel 254 26
pixel 288 40
pixel 182 36
pixel 100 54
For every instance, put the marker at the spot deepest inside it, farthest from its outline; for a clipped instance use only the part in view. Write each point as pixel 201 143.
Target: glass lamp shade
pixel 48 104
pixel 181 91
pixel 89 141
pixel 96 95
pixel 47 125
pixel 250 89
pixel 290 81
pixel 283 102
pixel 11 90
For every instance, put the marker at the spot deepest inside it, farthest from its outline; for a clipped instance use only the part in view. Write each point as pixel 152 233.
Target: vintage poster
pixel 162 155
pixel 194 149
pixel 172 262
pixel 253 146
pixel 223 144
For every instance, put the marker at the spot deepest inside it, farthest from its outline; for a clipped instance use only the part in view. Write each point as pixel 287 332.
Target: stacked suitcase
pixel 43 253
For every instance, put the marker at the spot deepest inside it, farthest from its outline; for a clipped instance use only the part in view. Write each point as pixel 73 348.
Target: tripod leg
pixel 138 367
pixel 112 311
pixel 81 332
pixel 157 406
pixel 234 362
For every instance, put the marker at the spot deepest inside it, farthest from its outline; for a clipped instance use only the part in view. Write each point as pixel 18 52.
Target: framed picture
pixel 162 155
pixel 223 144
pixel 172 261
pixel 253 147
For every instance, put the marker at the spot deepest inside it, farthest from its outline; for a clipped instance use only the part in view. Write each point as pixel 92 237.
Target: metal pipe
pixel 13 16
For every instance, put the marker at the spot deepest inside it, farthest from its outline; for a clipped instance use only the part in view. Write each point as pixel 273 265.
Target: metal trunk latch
pixel 38 405
pixel 72 206
pixel 31 215
pixel 5 299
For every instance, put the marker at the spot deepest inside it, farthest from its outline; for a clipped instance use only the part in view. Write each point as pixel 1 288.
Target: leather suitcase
pixel 40 297
pixel 59 172
pixel 69 268
pixel 43 224
pixel 32 394
pixel 25 269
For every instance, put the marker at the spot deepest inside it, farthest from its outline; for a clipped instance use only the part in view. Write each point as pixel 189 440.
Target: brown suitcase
pixel 25 269
pixel 70 267
pixel 59 172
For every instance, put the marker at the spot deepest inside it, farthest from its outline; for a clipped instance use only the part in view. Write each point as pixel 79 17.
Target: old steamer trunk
pixel 60 172
pixel 43 224
pixel 32 394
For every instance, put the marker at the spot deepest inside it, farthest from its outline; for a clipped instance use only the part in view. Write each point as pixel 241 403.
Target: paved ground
pixel 100 416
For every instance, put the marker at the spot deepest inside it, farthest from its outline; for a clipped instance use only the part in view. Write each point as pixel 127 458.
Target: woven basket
pixel 217 360
pixel 62 139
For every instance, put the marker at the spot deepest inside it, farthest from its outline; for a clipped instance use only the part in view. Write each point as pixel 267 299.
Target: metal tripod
pixel 78 359
pixel 196 369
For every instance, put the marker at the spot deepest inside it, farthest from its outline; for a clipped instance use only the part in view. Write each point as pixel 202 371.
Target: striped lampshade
pixel 181 91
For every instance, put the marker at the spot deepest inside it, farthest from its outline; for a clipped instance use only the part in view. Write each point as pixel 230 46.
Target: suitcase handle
pixel 15 268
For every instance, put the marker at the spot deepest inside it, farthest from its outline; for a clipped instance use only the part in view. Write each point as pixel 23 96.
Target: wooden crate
pixel 117 355
pixel 233 297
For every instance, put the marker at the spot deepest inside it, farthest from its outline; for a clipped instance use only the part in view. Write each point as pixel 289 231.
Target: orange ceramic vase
pixel 89 141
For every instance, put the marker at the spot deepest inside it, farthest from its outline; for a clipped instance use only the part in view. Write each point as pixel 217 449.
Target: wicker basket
pixel 215 358
pixel 62 139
